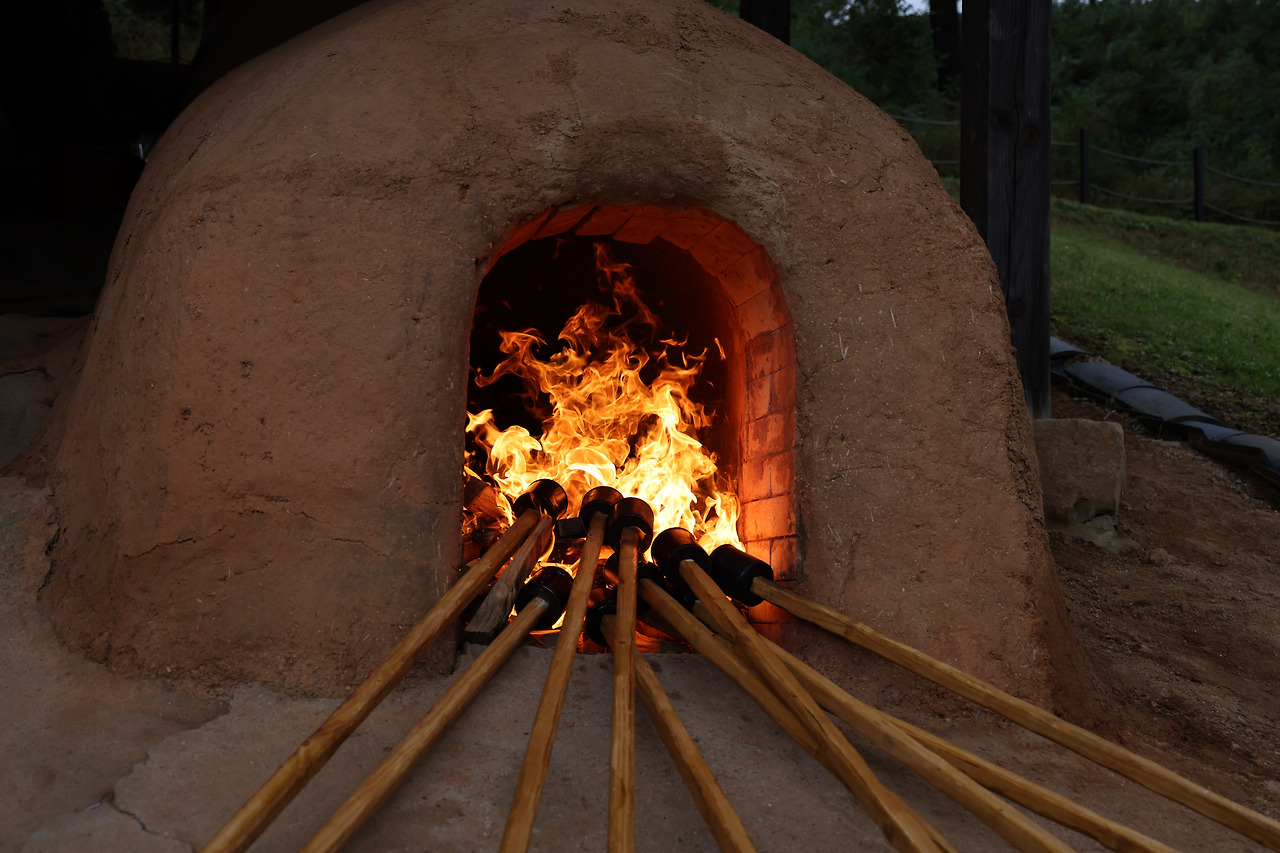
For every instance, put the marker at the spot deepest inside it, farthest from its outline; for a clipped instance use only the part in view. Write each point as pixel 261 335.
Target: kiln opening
pixel 645 348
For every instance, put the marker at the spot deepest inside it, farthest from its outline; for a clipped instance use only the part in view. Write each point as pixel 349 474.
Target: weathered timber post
pixel 1004 167
pixel 1198 178
pixel 1084 166
pixel 772 16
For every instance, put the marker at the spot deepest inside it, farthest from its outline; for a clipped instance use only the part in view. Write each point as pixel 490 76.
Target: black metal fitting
pixel 552 585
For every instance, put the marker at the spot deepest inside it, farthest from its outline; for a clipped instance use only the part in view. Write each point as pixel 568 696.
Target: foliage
pixel 1157 79
pixel 873 45
pixel 1164 76
pixel 1149 78
pixel 142 29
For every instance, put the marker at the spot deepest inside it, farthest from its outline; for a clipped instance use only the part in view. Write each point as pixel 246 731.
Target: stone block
pixel 1081 468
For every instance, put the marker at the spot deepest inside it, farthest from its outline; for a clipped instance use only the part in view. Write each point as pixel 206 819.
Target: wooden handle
pixel 383 781
pixel 904 829
pixel 1141 770
pixel 727 660
pixel 721 819
pixel 496 608
pixel 537 757
pixel 878 727
pixel 1041 800
pixel 252 818
pixel 622 748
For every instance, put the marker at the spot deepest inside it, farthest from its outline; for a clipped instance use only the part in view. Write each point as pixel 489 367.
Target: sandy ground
pixel 1176 611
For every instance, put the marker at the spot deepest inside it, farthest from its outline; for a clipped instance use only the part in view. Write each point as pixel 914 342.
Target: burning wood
pixel 616 410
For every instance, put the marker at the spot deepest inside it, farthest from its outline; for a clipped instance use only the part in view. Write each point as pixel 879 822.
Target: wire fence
pixel 1187 188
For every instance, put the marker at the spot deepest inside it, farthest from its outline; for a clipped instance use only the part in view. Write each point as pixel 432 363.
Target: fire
pixel 616 412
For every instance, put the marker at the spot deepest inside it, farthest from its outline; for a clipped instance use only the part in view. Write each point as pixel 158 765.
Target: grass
pixel 1191 307
pixel 1243 255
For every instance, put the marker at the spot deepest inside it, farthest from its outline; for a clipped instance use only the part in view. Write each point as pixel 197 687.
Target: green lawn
pixel 1190 307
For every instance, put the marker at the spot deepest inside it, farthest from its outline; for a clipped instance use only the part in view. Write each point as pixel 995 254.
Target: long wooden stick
pixel 537 757
pixel 723 656
pixel 387 777
pixel 622 752
pixel 493 612
pixel 905 830
pixel 1141 770
pixel 878 727
pixel 1113 835
pixel 716 810
pixel 1041 800
pixel 252 818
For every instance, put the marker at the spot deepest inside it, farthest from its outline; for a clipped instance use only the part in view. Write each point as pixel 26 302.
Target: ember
pixel 616 410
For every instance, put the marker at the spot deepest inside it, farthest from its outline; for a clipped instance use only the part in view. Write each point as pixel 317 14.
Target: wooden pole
pixel 1141 770
pixel 494 611
pixel 716 810
pixel 1004 167
pixel 1085 183
pixel 723 657
pixel 1197 178
pixel 1041 800
pixel 252 819
pixel 537 756
pixel 772 16
pixel 903 829
pixel 878 727
pixel 383 781
pixel 622 752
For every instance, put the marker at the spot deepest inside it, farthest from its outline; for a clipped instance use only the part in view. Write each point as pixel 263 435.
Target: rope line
pixel 1132 198
pixel 1140 198
pixel 1101 150
pixel 1209 168
pixel 924 120
pixel 1241 218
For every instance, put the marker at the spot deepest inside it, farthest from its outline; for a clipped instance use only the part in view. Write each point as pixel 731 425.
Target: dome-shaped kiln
pixel 257 468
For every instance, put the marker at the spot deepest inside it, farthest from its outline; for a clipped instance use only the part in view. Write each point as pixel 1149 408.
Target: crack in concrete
pixel 141 823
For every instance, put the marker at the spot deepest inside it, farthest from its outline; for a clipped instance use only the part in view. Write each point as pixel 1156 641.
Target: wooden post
pixel 772 16
pixel 175 33
pixel 1004 167
pixel 1199 182
pixel 1084 166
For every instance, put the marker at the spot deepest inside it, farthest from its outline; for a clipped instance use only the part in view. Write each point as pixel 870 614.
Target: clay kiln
pixel 257 468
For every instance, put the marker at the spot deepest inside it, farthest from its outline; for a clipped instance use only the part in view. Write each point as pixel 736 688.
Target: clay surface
pixel 256 470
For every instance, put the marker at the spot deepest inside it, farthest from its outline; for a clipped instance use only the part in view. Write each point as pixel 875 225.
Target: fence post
pixel 175 33
pixel 772 16
pixel 1199 181
pixel 1084 166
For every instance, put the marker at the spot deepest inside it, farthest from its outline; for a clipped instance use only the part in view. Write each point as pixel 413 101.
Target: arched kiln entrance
pixel 721 309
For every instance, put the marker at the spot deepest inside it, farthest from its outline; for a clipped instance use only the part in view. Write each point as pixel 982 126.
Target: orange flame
pixel 609 423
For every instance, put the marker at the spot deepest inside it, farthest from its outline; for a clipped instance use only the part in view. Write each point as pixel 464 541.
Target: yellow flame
pixel 608 426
